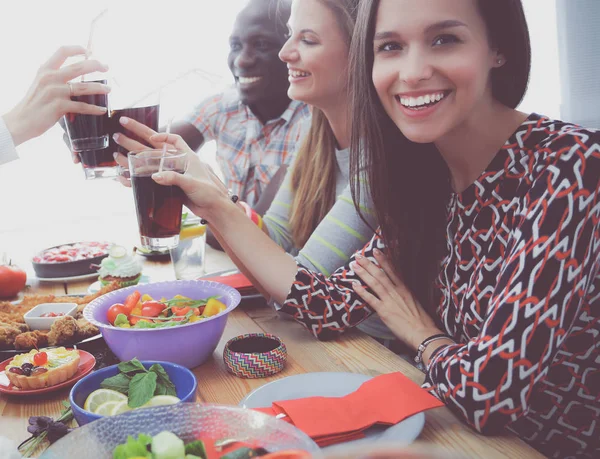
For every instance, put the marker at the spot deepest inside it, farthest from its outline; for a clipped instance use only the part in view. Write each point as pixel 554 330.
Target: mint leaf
pixel 164 385
pixel 133 366
pixel 141 389
pixel 120 383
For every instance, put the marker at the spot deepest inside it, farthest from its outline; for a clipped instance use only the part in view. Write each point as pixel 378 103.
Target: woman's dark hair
pixel 410 182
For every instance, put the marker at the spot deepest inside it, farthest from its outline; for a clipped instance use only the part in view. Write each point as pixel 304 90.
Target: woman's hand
pixel 201 185
pixel 394 303
pixel 49 97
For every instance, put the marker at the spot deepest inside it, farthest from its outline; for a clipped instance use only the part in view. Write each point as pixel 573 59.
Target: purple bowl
pixel 188 345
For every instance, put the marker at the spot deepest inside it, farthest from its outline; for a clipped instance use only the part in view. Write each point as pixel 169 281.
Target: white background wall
pixel 150 42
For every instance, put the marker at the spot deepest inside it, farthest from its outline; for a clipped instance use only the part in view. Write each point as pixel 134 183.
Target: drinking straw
pixel 164 148
pixel 91 35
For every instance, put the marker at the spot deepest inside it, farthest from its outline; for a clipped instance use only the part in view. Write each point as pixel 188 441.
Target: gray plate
pixel 332 385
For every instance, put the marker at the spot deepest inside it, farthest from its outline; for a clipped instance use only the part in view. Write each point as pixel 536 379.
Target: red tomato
pixel 181 311
pixel 114 311
pixel 131 301
pixel 12 281
pixel 40 359
pixel 152 308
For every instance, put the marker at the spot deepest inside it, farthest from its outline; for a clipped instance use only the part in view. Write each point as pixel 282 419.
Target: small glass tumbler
pixel 188 257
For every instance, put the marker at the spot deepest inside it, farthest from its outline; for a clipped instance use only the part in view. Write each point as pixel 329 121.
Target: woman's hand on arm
pixel 394 303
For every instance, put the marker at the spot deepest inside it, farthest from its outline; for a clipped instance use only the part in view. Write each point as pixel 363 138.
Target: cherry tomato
pixel 12 281
pixel 152 308
pixel 181 311
pixel 40 359
pixel 131 301
pixel 114 311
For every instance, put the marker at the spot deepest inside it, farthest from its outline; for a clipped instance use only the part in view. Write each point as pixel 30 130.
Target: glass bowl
pixel 189 421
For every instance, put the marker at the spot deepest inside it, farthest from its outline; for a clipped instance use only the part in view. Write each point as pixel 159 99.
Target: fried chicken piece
pixel 31 340
pixel 31 301
pixel 64 331
pixel 20 324
pixel 83 302
pixel 86 329
pixel 8 334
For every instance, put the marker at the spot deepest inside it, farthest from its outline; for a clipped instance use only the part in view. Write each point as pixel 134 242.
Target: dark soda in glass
pixel 148 116
pixel 92 159
pixel 158 207
pixel 89 132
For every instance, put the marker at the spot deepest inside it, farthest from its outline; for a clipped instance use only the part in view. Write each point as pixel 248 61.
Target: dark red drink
pixel 89 132
pixel 148 116
pixel 158 207
pixel 97 158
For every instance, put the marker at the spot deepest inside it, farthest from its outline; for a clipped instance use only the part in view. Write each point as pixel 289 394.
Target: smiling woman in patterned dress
pixel 490 224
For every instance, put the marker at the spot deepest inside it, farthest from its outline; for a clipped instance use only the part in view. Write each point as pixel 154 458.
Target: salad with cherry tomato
pixel 143 311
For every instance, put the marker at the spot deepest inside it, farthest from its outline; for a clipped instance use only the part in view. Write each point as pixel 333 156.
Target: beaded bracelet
pixel 234 198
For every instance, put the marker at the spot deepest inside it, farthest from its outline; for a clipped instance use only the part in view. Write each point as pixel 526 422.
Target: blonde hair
pixel 313 176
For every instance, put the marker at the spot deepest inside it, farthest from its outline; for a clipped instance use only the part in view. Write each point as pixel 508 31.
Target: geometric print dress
pixel 519 290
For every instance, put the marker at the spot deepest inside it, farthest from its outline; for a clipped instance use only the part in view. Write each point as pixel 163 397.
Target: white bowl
pixel 34 320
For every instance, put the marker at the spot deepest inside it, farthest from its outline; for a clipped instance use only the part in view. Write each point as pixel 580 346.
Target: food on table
pixel 31 339
pixel 120 266
pixel 44 368
pixel 15 334
pixel 12 280
pixel 53 314
pixel 63 331
pixel 133 387
pixel 143 311
pixel 167 445
pixel 72 252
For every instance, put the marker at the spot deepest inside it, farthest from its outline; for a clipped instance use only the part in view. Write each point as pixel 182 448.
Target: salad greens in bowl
pixel 174 321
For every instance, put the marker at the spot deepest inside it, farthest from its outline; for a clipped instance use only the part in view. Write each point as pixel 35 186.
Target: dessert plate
pixel 69 279
pixel 96 286
pixel 86 365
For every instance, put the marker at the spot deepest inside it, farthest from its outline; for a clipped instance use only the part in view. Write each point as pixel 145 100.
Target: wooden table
pixel 354 352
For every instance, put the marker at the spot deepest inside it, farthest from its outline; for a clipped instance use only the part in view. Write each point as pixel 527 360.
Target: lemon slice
pixel 120 407
pixel 192 231
pixel 159 400
pixel 100 396
pixel 106 408
pixel 117 251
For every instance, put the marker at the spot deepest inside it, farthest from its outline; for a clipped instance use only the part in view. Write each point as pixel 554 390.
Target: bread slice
pixel 54 374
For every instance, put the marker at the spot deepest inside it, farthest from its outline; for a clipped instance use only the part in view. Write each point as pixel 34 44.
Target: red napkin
pixel 386 399
pixel 238 281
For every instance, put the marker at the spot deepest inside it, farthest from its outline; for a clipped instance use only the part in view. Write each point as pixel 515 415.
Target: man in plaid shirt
pixel 256 126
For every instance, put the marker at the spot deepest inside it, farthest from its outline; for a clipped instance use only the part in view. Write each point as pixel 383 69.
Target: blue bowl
pixel 183 379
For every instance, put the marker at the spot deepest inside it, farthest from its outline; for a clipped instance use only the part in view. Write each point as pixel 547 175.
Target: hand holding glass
pixel 158 207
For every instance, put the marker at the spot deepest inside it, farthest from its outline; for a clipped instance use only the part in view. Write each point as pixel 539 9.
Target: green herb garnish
pixel 139 384
pixel 135 447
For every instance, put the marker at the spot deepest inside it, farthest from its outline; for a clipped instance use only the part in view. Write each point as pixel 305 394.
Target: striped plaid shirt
pixel 249 152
